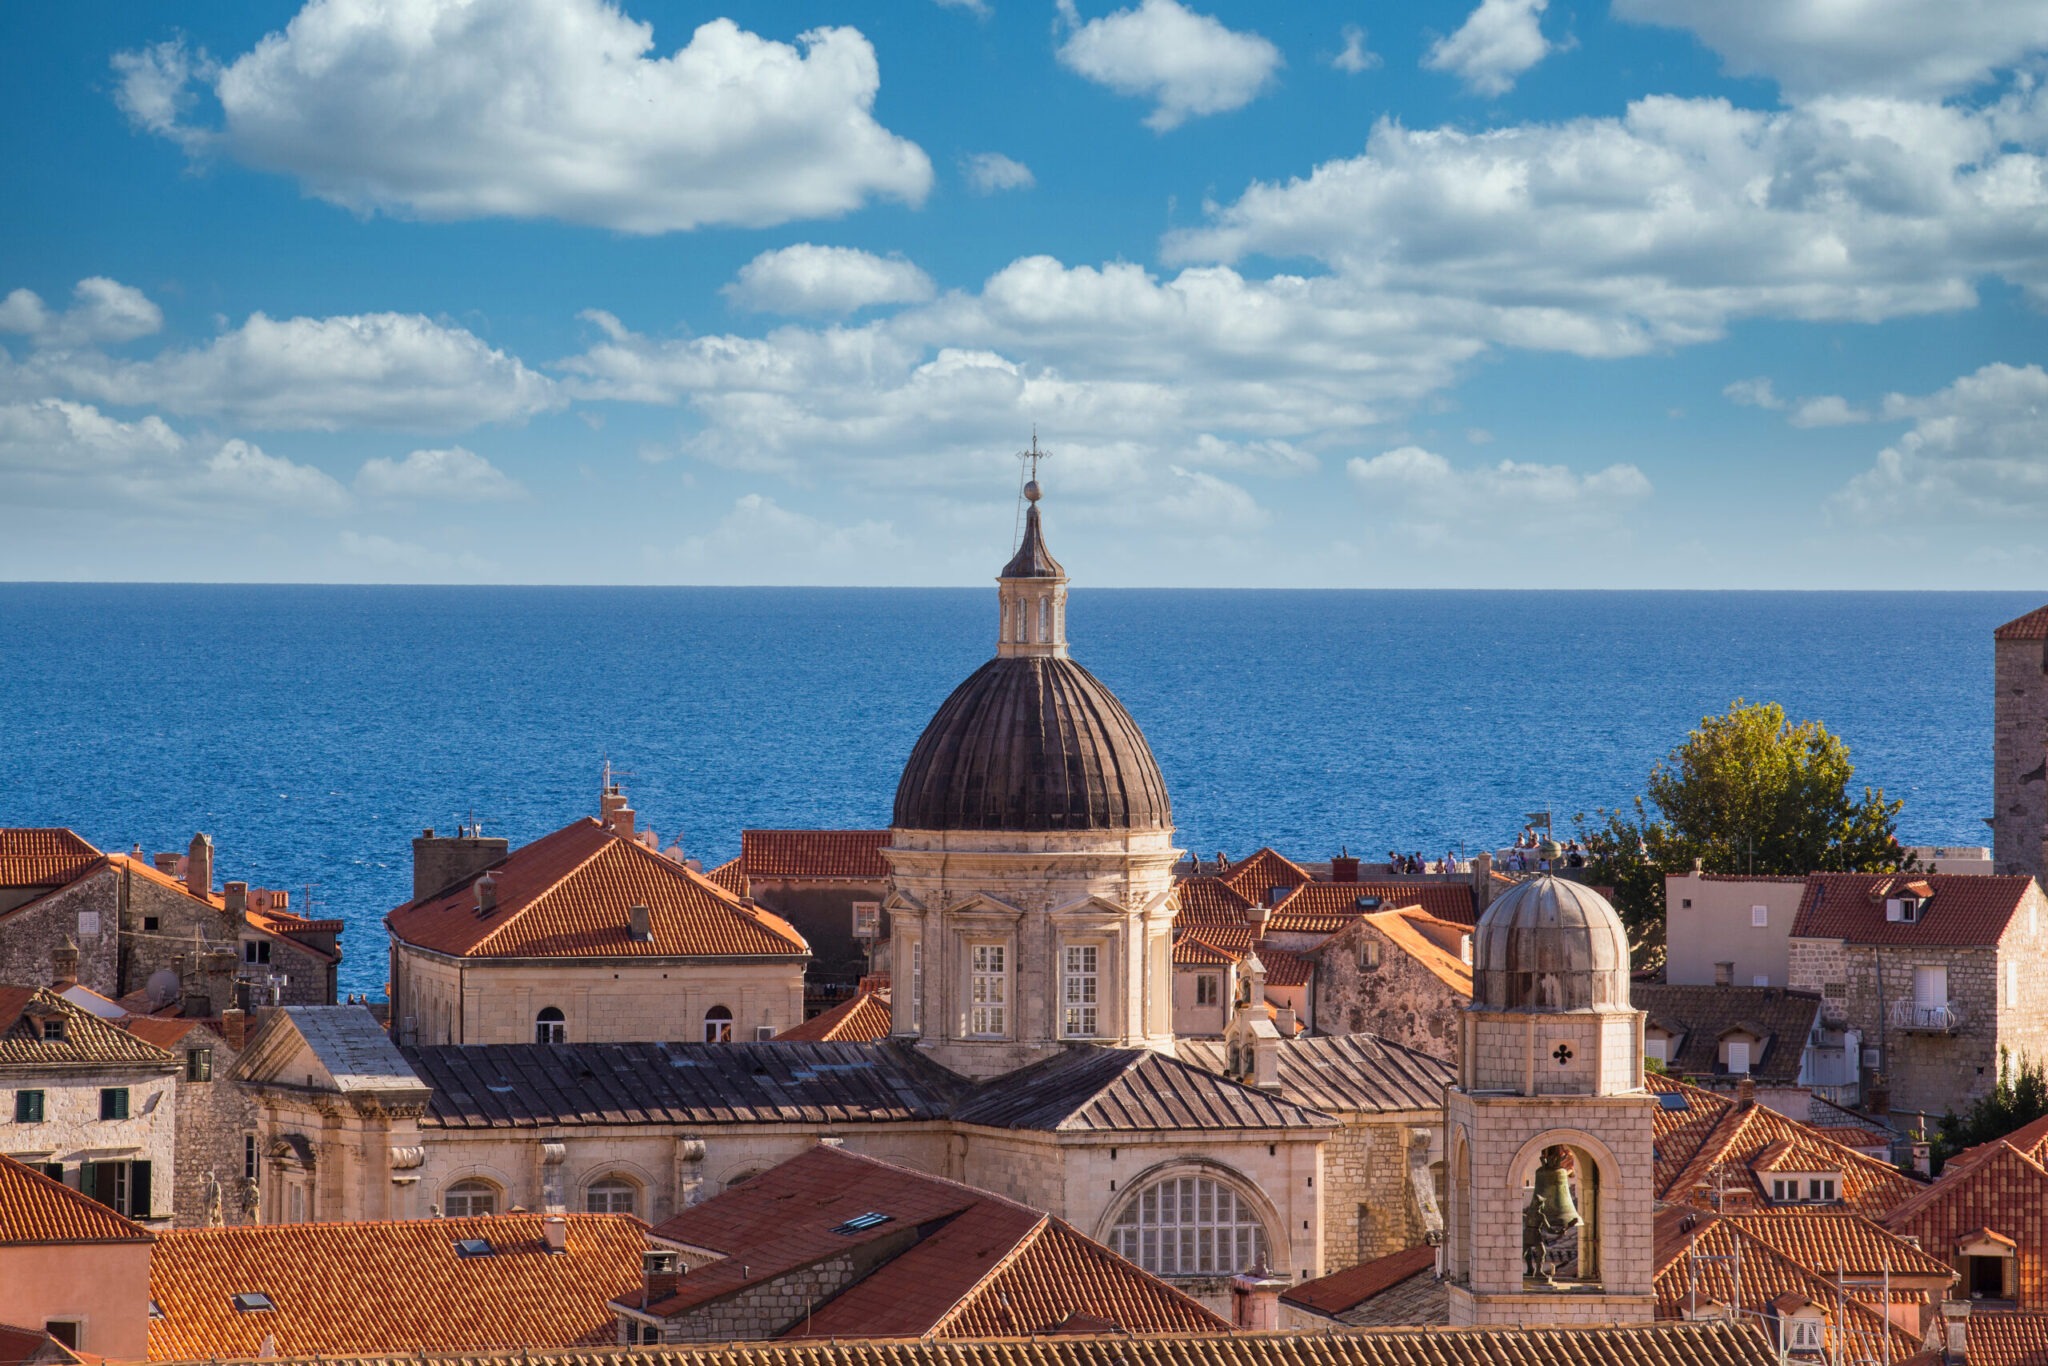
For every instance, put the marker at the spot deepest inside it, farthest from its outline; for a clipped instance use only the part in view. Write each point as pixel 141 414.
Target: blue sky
pixel 1702 293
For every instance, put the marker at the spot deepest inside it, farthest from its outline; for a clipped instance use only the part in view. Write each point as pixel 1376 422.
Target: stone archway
pixel 1561 1180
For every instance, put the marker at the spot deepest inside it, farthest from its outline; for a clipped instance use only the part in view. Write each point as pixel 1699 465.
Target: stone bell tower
pixel 1548 1133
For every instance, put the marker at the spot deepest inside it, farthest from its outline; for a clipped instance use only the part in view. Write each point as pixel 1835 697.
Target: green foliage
pixel 1653 1066
pixel 1748 792
pixel 2019 1098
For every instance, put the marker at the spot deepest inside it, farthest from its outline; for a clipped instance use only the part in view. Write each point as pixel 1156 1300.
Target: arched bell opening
pixel 1562 1213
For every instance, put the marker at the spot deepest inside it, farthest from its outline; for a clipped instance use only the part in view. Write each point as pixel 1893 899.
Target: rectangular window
pixel 1078 996
pixel 1208 987
pixel 1658 1048
pixel 256 951
pixel 53 1170
pixel 149 924
pixel 113 1102
pixel 917 986
pixel 1761 979
pixel 63 1330
pixel 1759 916
pixel 1930 994
pixel 121 1186
pixel 1738 1056
pixel 28 1107
pixel 2012 982
pixel 199 1064
pixel 990 994
pixel 1778 1185
pixel 248 1157
pixel 53 1030
pixel 867 919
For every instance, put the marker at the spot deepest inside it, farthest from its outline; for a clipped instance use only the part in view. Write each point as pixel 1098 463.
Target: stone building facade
pixel 217 1161
pixel 1403 975
pixel 2019 754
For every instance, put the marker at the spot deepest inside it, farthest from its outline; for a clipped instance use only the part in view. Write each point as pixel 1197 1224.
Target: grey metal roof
pixel 527 1085
pixel 1087 1089
pixel 354 1047
pixel 1549 944
pixel 1346 1072
pixel 1032 560
pixel 1702 1014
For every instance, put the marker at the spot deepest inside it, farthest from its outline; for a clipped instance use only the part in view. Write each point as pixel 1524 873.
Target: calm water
pixel 312 731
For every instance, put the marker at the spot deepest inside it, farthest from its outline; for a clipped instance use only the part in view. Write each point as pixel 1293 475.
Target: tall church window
pixel 465 1198
pixel 990 990
pixel 917 986
pixel 1189 1226
pixel 550 1027
pixel 1045 619
pixel 718 1025
pixel 1079 991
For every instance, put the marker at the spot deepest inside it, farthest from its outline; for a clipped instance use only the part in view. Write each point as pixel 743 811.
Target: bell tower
pixel 1548 1133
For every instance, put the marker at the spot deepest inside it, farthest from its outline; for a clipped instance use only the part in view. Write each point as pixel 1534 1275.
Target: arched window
pixel 612 1194
pixel 549 1026
pixel 465 1198
pixel 718 1025
pixel 1044 619
pixel 1189 1226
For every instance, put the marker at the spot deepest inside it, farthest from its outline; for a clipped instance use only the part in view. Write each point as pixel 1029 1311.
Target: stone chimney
pixel 1482 880
pixel 64 966
pixel 1344 867
pixel 220 969
pixel 1724 974
pixel 234 1027
pixel 199 866
pixel 441 861
pixel 623 818
pixel 236 894
pixel 639 924
pixel 167 863
pixel 487 894
pixel 1955 1326
pixel 1255 1298
pixel 554 1232
pixel 1745 1090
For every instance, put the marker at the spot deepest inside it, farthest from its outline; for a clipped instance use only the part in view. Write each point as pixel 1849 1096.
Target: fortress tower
pixel 1548 1132
pixel 1031 853
pixel 2019 762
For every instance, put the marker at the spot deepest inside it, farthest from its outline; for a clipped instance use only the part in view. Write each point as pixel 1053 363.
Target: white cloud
pixel 244 472
pixel 761 542
pixel 1977 452
pixel 1753 393
pixel 1356 56
pixel 988 172
pixel 54 436
pixel 373 369
pixel 1614 236
pixel 1204 502
pixel 542 108
pixel 1189 64
pixel 1497 42
pixel 454 474
pixel 1441 504
pixel 979 8
pixel 102 310
pixel 812 279
pixel 1260 457
pixel 1827 410
pixel 389 558
pixel 1895 47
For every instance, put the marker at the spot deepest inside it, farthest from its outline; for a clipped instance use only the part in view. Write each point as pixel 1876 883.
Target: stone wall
pixel 765 1311
pixel 159 926
pixel 214 1117
pixel 2019 757
pixel 1398 999
pixel 1822 965
pixel 1861 984
pixel 72 1131
pixel 1369 1209
pixel 87 913
pixel 2022 985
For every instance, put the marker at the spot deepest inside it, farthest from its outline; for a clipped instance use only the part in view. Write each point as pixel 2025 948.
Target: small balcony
pixel 1915 1017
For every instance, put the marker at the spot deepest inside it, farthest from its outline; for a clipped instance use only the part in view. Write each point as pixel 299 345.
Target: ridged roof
pixel 2032 626
pixel 1963 908
pixel 863 1019
pixel 1700 1015
pixel 88 1040
pixel 2006 1338
pixel 1088 1089
pixel 391 1286
pixel 1999 1188
pixel 566 895
pixel 35 1209
pixel 1356 1072
pixel 1342 1291
pixel 852 854
pixel 1032 560
pixel 33 856
pixel 1032 743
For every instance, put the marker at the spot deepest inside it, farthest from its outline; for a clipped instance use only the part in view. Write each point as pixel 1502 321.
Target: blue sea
pixel 313 731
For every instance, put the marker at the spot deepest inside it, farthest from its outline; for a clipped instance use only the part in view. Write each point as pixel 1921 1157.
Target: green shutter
pixel 138 1190
pixel 89 1180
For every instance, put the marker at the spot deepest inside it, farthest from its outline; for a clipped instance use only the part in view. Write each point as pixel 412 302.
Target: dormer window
pixel 1275 895
pixel 1806 1188
pixel 1804 1335
pixel 1904 910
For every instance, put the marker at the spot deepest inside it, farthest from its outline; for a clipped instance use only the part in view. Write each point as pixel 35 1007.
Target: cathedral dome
pixel 1550 945
pixel 1032 742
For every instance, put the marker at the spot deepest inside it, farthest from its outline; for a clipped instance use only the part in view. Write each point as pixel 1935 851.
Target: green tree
pixel 1747 792
pixel 2019 1098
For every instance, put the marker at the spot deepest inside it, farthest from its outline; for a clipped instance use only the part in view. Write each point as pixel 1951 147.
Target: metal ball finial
pixel 1032 491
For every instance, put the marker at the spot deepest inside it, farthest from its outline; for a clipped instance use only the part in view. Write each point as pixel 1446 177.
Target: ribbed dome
pixel 1549 945
pixel 1032 742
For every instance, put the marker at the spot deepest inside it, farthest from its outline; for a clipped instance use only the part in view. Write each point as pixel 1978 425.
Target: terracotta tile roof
pixel 391 1287
pixel 1191 950
pixel 2004 1337
pixel 1663 1344
pixel 537 1085
pixel 2032 626
pixel 1326 907
pixel 1781 1019
pixel 729 875
pixel 1827 1240
pixel 147 871
pixel 1409 931
pixel 1255 876
pixel 88 1040
pixel 23 1346
pixel 47 856
pixel 1088 1089
pixel 1284 967
pixel 2000 1189
pixel 1342 1291
pixel 1966 908
pixel 863 1019
pixel 851 855
pixel 2031 1139
pixel 1683 1282
pixel 1722 1144
pixel 35 1209
pixel 1345 1073
pixel 1059 1279
pixel 567 894
pixel 1207 901
pixel 161 1033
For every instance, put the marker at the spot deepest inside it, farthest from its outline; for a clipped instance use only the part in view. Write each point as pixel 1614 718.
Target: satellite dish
pixel 163 988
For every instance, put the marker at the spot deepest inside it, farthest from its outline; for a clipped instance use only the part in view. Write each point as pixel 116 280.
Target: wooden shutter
pixel 138 1191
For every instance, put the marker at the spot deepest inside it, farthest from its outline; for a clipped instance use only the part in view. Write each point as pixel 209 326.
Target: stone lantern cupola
pixel 1032 594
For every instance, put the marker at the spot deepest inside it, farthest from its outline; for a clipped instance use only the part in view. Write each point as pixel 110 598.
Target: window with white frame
pixel 867 919
pixel 917 986
pixel 612 1195
pixel 465 1198
pixel 1759 916
pixel 989 991
pixel 1805 1335
pixel 1738 1056
pixel 549 1026
pixel 1189 1226
pixel 1078 995
pixel 718 1025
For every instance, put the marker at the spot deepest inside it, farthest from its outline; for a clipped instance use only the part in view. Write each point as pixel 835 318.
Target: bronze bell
pixel 1554 1191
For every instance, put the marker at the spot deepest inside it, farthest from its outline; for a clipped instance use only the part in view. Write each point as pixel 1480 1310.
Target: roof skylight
pixel 861 1223
pixel 473 1247
pixel 251 1302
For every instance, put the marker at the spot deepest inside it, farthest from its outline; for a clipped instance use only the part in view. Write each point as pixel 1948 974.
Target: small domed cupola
pixel 1548 945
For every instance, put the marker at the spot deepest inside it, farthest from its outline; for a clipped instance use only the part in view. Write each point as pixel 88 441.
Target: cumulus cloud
pixel 1977 452
pixel 1497 42
pixel 1204 502
pixel 1355 57
pixel 1434 497
pixel 388 558
pixel 541 109
pixel 245 472
pixel 102 310
pixel 1890 47
pixel 812 279
pixel 374 369
pixel 1612 236
pixel 453 475
pixel 989 172
pixel 52 435
pixel 1753 393
pixel 1188 64
pixel 1826 410
pixel 761 542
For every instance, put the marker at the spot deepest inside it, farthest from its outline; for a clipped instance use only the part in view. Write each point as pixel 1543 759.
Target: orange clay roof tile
pixel 84 1039
pixel 395 1287
pixel 863 1019
pixel 2032 626
pixel 851 855
pixel 1255 876
pixel 1965 908
pixel 2006 1338
pixel 42 856
pixel 1341 1291
pixel 729 875
pixel 566 895
pixel 1329 906
pixel 2001 1189
pixel 1407 931
pixel 1693 1152
pixel 35 1209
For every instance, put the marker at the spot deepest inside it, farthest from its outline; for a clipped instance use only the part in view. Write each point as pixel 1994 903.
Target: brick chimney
pixel 199 866
pixel 1955 1325
pixel 64 966
pixel 1724 974
pixel 236 894
pixel 554 1231
pixel 167 863
pixel 1255 1298
pixel 1344 867
pixel 1745 1090
pixel 234 1027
